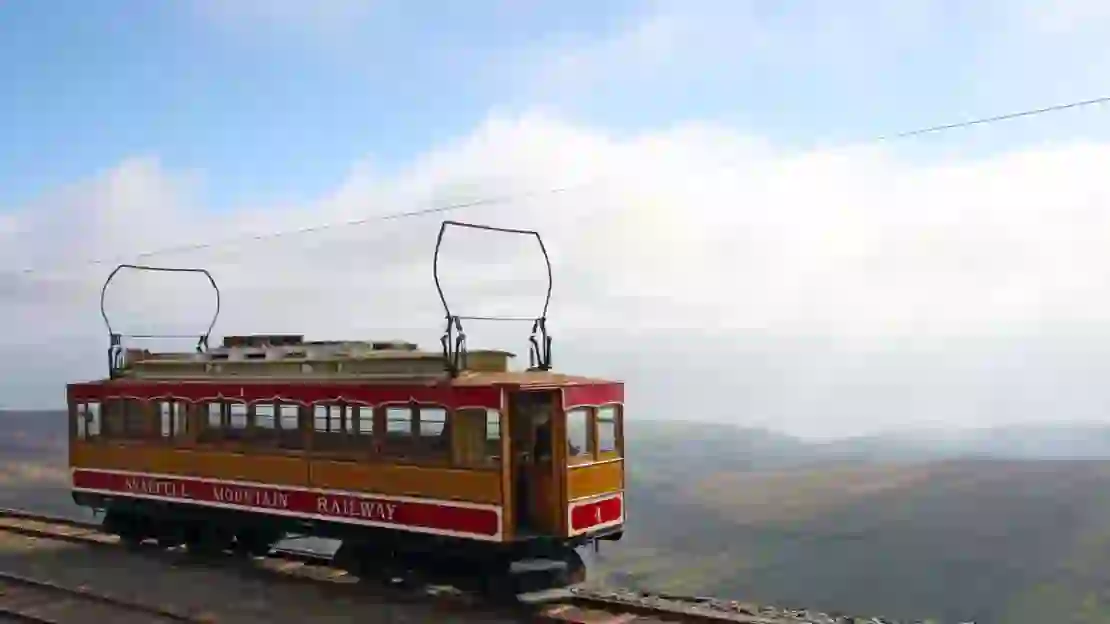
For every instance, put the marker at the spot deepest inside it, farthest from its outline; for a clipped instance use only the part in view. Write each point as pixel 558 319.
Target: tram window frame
pixel 290 438
pixel 433 440
pixel 211 418
pixel 470 442
pixel 173 419
pixel 493 442
pixel 398 437
pixel 217 425
pixel 363 420
pixel 333 416
pixel 85 414
pixel 262 424
pixel 585 453
pixel 330 429
pixel 264 416
pixel 404 416
pixel 612 419
pixel 236 420
pixel 128 419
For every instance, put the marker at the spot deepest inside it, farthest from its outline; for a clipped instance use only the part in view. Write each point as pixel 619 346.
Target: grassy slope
pixel 988 540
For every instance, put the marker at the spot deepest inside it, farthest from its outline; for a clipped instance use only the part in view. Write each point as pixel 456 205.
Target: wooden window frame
pixel 364 412
pixel 176 436
pixel 241 434
pixel 135 420
pixel 591 436
pixel 413 447
pixel 223 435
pixel 263 438
pixel 79 414
pixel 210 435
pixel 291 441
pixel 493 446
pixel 488 457
pixel 617 451
pixel 347 443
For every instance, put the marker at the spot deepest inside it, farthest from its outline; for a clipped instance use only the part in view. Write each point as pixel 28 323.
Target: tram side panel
pixel 350 482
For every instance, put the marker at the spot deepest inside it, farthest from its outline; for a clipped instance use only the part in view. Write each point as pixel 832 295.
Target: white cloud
pixel 690 231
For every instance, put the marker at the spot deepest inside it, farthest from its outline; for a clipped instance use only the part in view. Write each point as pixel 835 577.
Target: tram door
pixel 535 489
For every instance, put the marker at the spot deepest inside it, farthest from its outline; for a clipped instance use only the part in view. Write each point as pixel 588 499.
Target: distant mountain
pixel 1030 441
pixel 31 432
pixel 962 526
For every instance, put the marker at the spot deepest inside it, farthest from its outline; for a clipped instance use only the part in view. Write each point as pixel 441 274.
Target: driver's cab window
pixel 578 434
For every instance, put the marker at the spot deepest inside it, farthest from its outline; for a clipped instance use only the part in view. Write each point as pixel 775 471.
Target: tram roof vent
pixel 263 340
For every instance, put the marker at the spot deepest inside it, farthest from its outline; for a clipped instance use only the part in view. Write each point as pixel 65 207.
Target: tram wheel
pixel 203 540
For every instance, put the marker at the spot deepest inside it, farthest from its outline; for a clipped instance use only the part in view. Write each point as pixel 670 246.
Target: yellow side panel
pixel 479 486
pixel 594 479
pixel 275 469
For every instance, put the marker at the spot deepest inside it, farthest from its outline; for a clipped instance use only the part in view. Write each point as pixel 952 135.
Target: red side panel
pixel 445 395
pixel 594 394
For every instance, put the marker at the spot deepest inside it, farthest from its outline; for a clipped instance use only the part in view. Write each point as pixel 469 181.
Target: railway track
pixel 571 607
pixel 34 601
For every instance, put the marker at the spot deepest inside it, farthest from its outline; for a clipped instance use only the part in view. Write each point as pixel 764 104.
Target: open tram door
pixel 533 465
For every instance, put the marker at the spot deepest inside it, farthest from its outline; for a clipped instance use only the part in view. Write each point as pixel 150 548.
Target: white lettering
pixel 156 487
pixel 250 497
pixel 354 508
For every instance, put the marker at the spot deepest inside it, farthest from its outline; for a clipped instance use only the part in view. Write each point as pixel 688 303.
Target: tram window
pixel 433 420
pixel 433 428
pixel 211 431
pixel 365 415
pixel 289 422
pixel 126 418
pixel 172 415
pixel 328 418
pixel 578 432
pixel 493 427
pixel 92 411
pixel 264 416
pixel 470 437
pixel 289 417
pixel 87 419
pixel 607 429
pixel 237 415
pixel 398 422
pixel 493 434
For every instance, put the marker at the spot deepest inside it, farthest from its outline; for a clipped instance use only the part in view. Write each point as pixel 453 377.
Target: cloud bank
pixel 822 292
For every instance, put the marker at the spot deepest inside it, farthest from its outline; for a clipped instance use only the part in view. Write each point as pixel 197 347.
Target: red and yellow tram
pixel 437 460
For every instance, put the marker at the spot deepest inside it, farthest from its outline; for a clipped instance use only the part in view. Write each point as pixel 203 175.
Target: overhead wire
pixel 513 197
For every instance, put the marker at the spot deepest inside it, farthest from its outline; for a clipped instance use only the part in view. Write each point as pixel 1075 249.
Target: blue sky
pixel 278 108
pixel 273 100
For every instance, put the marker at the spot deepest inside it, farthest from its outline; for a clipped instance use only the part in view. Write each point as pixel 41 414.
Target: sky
pixel 727 235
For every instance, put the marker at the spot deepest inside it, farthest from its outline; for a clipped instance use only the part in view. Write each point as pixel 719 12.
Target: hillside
pixel 977 527
pixel 33 434
pixel 986 526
